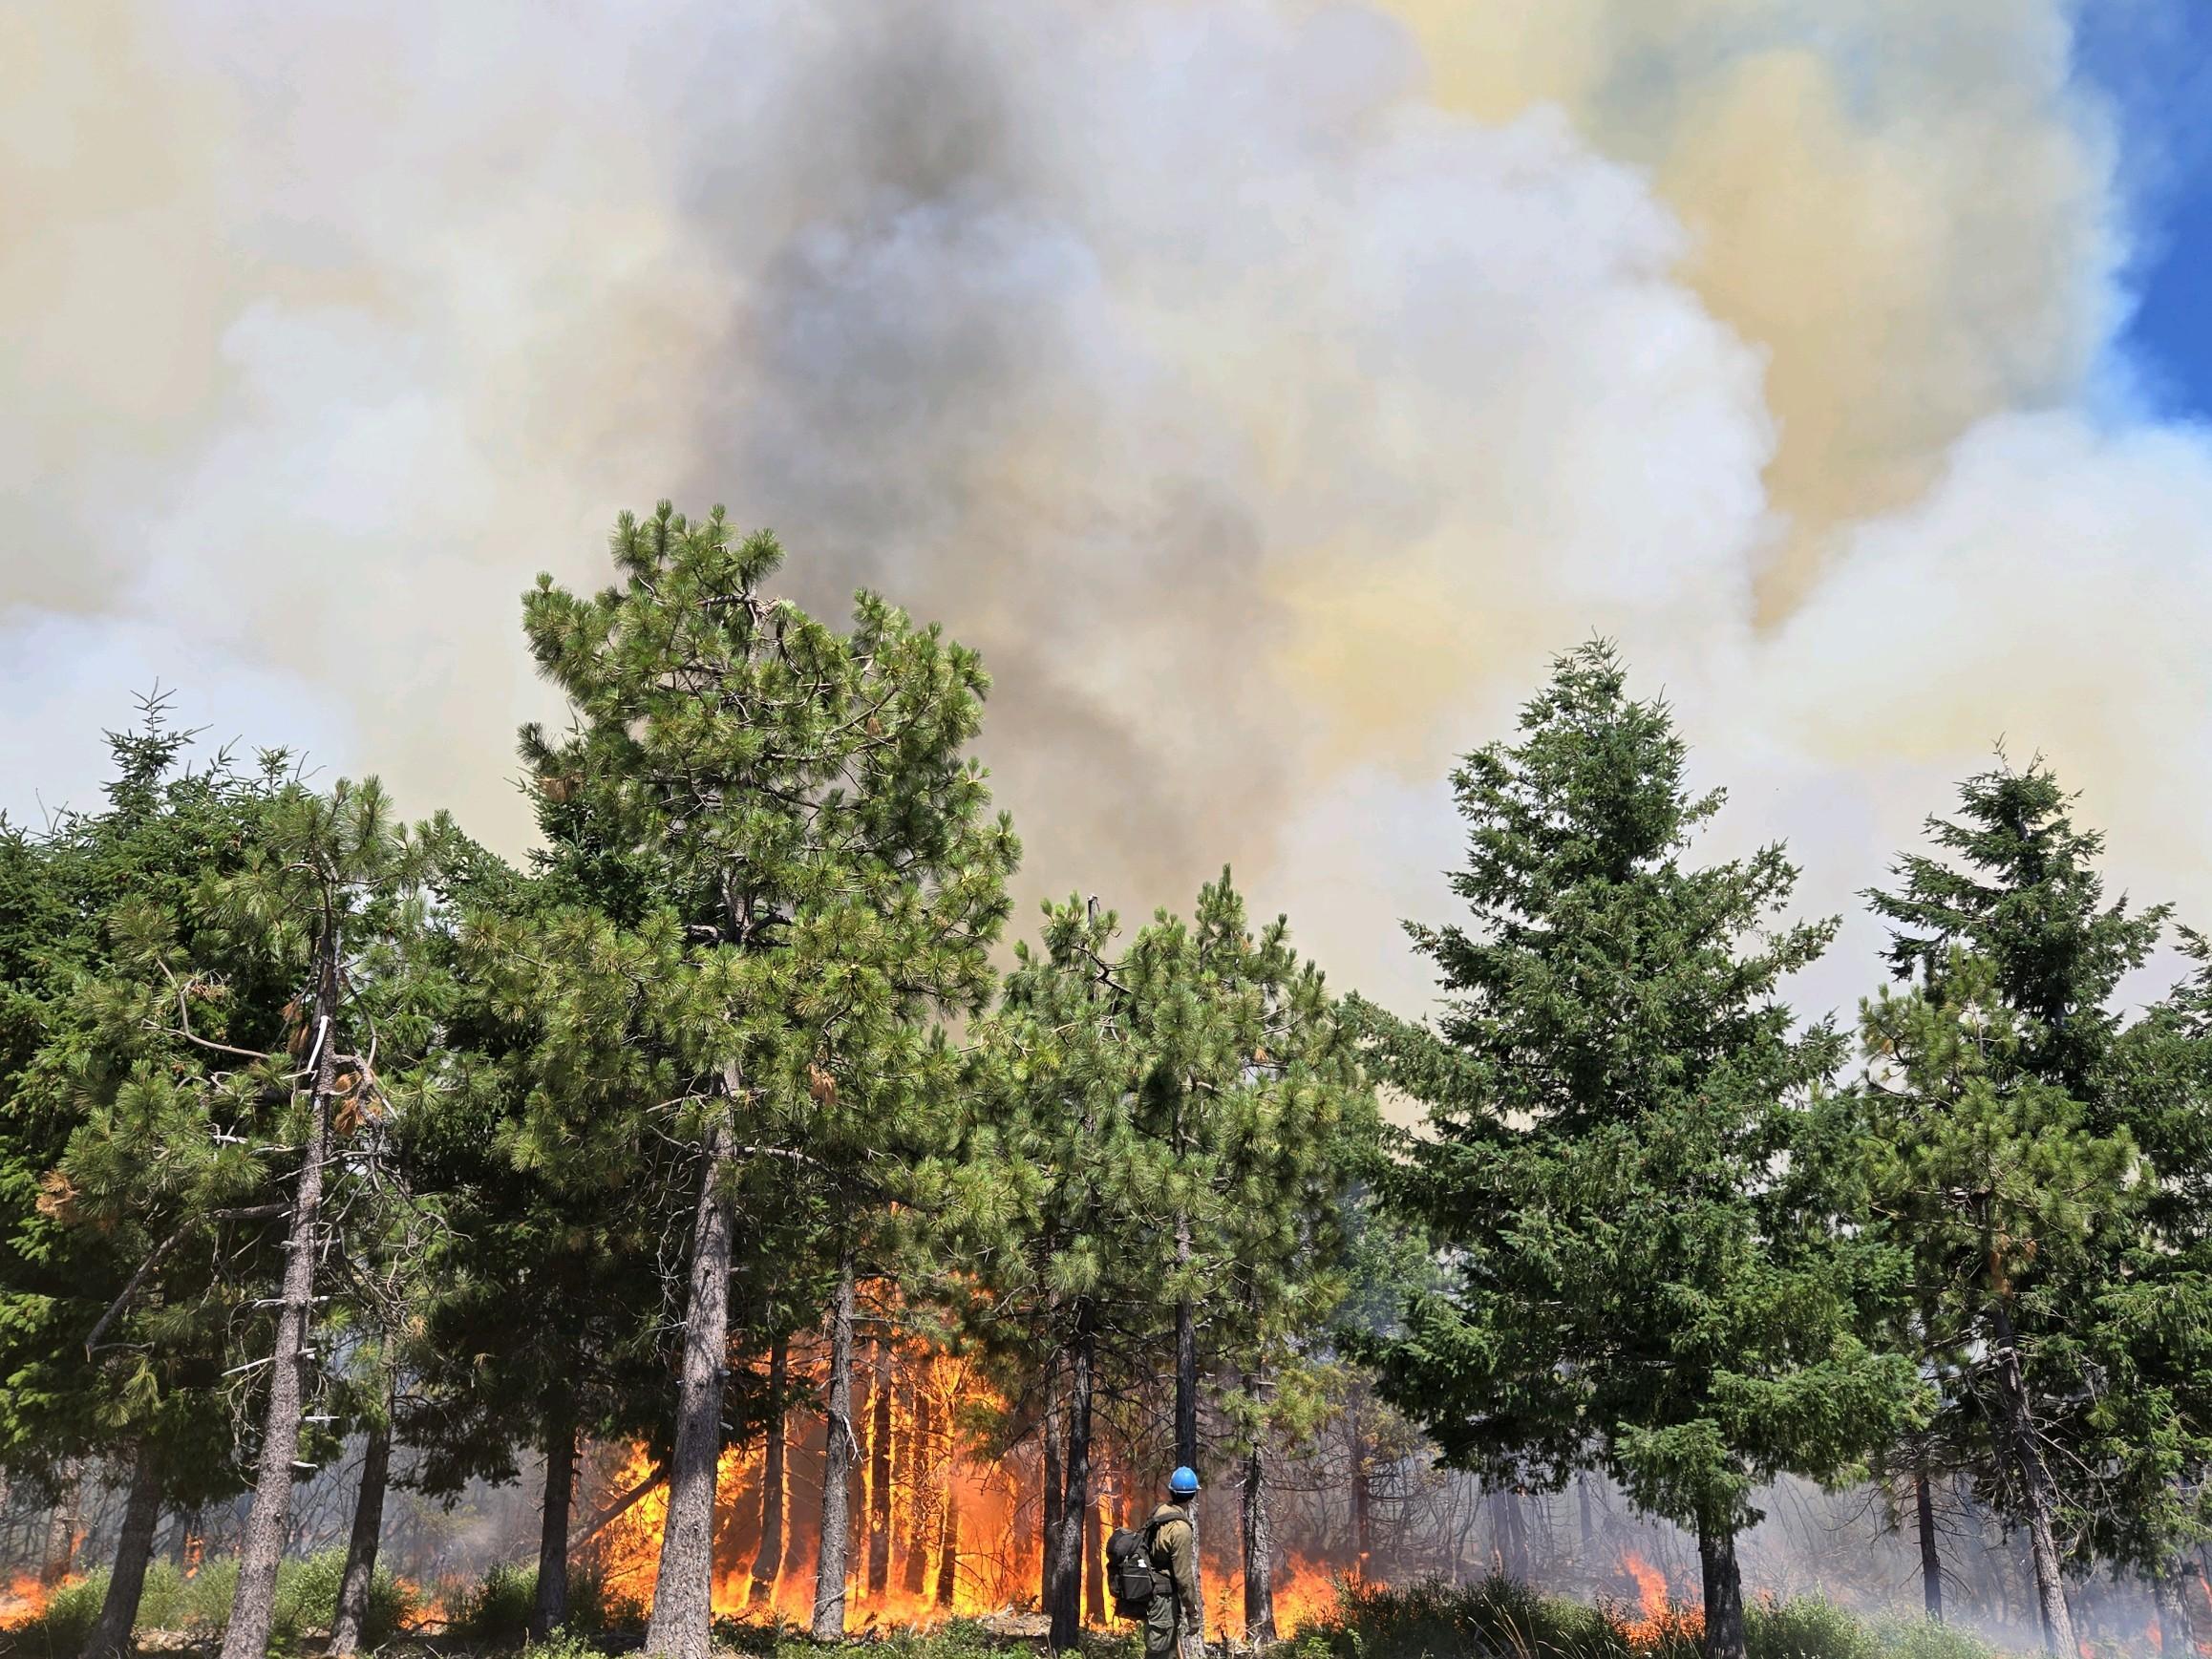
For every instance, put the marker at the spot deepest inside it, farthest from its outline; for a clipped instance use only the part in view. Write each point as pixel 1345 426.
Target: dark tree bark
pixel 1583 1507
pixel 1362 1495
pixel 949 1550
pixel 1094 1568
pixel 1064 1574
pixel 2175 1635
pixel 1509 1530
pixel 1259 1546
pixel 863 1461
pixel 1724 1633
pixel 360 1575
pixel 768 1558
pixel 1055 1493
pixel 187 1538
pixel 919 1452
pixel 59 1557
pixel 683 1595
pixel 839 1458
pixel 111 1632
pixel 1187 1364
pixel 1186 1380
pixel 1931 1565
pixel 268 1523
pixel 550 1611
pixel 880 1450
pixel 2041 1492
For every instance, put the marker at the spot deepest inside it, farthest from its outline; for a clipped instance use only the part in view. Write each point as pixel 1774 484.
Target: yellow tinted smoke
pixel 1906 206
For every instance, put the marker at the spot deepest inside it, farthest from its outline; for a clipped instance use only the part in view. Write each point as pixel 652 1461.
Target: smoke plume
pixel 1266 387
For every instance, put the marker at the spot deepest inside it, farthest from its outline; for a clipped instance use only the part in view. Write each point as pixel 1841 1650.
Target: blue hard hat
pixel 1183 1482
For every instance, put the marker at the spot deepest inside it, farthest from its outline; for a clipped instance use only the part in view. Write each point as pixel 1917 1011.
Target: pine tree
pixel 1256 1087
pixel 549 1291
pixel 1643 1269
pixel 1059 1185
pixel 1191 1094
pixel 818 880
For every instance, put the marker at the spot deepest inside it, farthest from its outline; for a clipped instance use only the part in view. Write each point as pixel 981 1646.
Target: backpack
pixel 1130 1575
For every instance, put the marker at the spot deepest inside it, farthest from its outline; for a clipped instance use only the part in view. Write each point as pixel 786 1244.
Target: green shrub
pixel 496 1611
pixel 207 1595
pixel 1810 1628
pixel 1499 1618
pixel 567 1643
pixel 1925 1639
pixel 596 1610
pixel 307 1601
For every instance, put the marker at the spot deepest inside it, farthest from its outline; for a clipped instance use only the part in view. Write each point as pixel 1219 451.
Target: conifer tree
pixel 548 1289
pixel 817 876
pixel 1192 1095
pixel 1256 1089
pixel 2100 1383
pixel 1642 1267
pixel 1994 1182
pixel 2015 883
pixel 117 1296
pixel 1063 1185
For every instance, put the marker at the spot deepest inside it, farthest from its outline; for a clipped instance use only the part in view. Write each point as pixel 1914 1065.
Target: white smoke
pixel 1267 388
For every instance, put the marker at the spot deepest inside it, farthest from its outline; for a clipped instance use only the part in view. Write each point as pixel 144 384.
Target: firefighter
pixel 1175 1624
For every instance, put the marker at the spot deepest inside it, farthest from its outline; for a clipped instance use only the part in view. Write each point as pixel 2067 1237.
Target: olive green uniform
pixel 1180 1617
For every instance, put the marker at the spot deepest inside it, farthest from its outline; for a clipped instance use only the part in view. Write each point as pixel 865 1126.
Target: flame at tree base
pixel 26 1598
pixel 1659 1619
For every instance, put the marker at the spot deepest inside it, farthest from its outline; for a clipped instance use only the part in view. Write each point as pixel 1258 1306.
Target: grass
pixel 1499 1619
pixel 307 1601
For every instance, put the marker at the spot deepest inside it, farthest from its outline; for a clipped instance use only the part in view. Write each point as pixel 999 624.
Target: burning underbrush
pixel 946 1496
pixel 27 1597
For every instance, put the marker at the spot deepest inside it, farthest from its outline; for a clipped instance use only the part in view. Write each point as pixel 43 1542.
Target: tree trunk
pixel 59 1560
pixel 1055 1493
pixel 550 1611
pixel 864 1463
pixel 837 1459
pixel 111 1634
pixel 1362 1495
pixel 368 1533
pixel 1186 1376
pixel 880 1475
pixel 1064 1577
pixel 2036 1482
pixel 948 1549
pixel 1259 1547
pixel 921 1441
pixel 1931 1566
pixel 1094 1560
pixel 768 1558
pixel 683 1594
pixel 1509 1535
pixel 2175 1637
pixel 1724 1634
pixel 268 1523
pixel 1589 1531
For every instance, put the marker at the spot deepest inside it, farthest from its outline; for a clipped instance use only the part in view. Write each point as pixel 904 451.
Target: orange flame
pixel 937 1506
pixel 26 1598
pixel 1305 1595
pixel 942 1509
pixel 1658 1616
